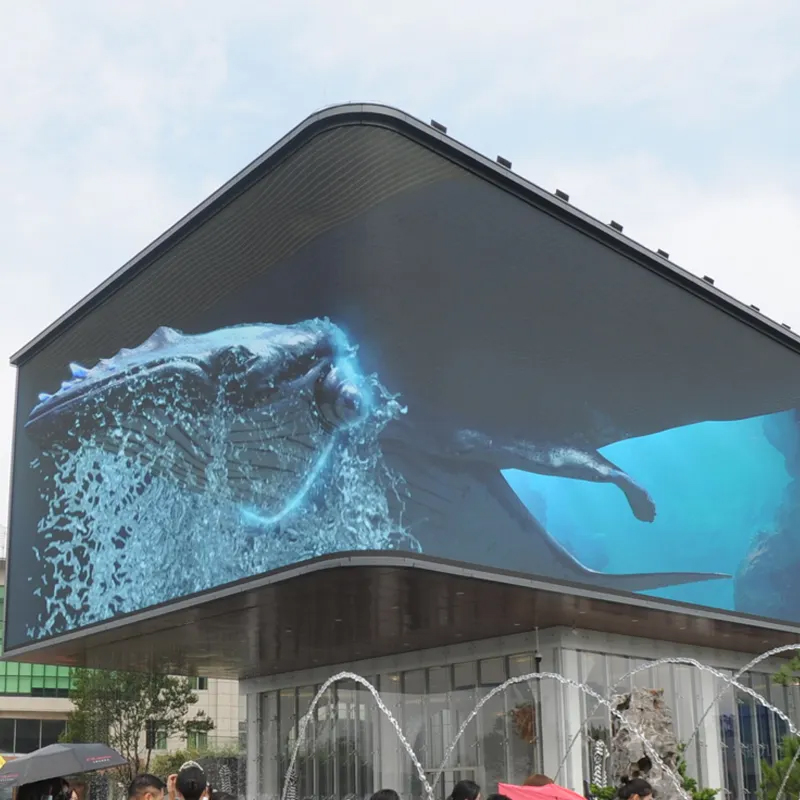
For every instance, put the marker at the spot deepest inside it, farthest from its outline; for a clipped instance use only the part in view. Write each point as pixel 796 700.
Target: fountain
pixel 632 724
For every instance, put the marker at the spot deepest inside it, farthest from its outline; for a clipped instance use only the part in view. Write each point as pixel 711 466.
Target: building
pixel 34 700
pixel 34 704
pixel 381 406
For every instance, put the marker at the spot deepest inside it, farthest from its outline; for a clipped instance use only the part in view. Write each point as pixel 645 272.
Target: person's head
pixel 537 780
pixel 635 789
pixel 466 790
pixel 385 794
pixel 191 782
pixel 146 787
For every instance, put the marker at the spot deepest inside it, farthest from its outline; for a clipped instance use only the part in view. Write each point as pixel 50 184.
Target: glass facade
pixel 351 750
pixel 35 680
pixel 26 735
pixel 749 732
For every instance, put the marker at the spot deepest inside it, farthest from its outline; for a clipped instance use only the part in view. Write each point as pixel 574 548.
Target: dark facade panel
pixel 368 343
pixel 341 609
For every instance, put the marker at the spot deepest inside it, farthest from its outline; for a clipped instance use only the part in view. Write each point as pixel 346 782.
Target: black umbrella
pixel 57 760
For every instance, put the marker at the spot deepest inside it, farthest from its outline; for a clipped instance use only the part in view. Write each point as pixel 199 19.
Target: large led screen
pixel 372 348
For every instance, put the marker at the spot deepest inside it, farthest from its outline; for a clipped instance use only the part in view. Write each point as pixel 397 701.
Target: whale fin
pixel 644 581
pixel 454 506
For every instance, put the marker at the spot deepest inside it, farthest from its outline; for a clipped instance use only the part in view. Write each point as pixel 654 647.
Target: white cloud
pixel 698 59
pixel 741 231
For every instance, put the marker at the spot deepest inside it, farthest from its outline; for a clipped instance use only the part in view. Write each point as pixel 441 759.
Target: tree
pixel 117 708
pixel 772 775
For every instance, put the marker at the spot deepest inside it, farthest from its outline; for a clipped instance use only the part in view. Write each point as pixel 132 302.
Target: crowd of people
pixel 190 783
pixel 635 789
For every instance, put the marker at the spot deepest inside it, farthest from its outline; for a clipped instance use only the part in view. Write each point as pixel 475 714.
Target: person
pixel 538 780
pixel 146 787
pixel 191 782
pixel 385 794
pixel 466 790
pixel 636 789
pixel 55 788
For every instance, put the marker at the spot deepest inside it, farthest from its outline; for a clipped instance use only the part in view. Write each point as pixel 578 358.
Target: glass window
pixel 464 675
pixel 763 719
pixel 461 701
pixel 492 671
pixel 492 722
pixel 198 740
pixel 438 715
pixel 618 679
pixel 287 722
pixel 6 735
pixel 413 724
pixel 325 733
pixel 728 730
pixel 523 721
pixel 52 730
pixel 305 756
pixel 597 726
pixel 745 709
pixel 28 735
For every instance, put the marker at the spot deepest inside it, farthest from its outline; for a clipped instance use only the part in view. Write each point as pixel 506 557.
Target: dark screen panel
pixel 373 349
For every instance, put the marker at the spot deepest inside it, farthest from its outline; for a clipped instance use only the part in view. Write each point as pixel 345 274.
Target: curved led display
pixel 365 345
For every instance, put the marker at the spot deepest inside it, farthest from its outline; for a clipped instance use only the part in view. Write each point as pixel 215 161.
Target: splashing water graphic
pixel 219 490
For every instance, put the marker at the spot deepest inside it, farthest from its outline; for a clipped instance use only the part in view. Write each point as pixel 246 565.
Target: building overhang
pixel 344 608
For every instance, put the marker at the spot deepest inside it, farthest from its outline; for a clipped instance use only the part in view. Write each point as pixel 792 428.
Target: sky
pixel 677 119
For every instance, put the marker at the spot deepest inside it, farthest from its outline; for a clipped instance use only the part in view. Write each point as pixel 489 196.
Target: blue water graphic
pixel 715 486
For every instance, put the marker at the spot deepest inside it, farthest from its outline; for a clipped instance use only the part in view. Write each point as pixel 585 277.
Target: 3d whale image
pixel 286 402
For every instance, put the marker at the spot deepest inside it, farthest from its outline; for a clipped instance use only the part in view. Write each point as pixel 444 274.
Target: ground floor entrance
pixel 350 748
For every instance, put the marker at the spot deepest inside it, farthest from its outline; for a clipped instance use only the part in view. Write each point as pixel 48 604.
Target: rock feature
pixel 765 582
pixel 646 710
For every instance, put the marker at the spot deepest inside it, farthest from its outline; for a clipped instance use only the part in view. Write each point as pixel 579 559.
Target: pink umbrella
pixel 550 792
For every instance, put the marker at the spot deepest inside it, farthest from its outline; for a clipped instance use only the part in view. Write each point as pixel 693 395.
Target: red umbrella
pixel 551 791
